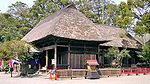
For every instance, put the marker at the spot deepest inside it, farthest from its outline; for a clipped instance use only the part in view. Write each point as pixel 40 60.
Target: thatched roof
pixel 67 23
pixel 113 33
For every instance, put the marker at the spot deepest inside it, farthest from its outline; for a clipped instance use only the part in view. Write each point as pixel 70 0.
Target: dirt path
pixel 140 79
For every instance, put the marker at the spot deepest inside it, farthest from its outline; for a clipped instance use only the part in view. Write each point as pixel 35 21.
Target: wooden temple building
pixel 70 38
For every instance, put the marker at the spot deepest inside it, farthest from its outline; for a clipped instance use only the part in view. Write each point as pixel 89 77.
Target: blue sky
pixel 5 3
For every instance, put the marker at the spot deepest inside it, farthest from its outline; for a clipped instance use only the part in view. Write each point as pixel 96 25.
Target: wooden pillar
pixel 99 59
pixel 84 56
pixel 61 58
pixel 55 55
pixel 46 59
pixel 102 57
pixel 39 66
pixel 69 54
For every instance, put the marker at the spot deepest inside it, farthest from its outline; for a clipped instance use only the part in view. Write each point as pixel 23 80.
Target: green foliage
pixel 44 8
pixel 122 35
pixel 6 51
pixel 115 54
pixel 124 19
pixel 16 23
pixel 93 9
pixel 111 14
pixel 145 53
pixel 14 49
pixel 7 27
pixel 5 66
pixel 141 14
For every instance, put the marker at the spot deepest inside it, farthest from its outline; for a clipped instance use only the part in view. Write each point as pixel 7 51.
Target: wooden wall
pixel 62 58
pixel 78 60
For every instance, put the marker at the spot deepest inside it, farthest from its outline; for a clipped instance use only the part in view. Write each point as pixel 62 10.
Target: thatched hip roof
pixel 68 23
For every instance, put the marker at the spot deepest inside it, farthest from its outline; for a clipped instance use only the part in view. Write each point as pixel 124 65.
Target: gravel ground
pixel 133 79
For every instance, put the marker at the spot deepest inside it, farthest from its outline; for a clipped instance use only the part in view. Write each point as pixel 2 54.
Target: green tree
pixel 145 55
pixel 44 8
pixel 93 9
pixel 15 23
pixel 16 50
pixel 124 16
pixel 5 51
pixel 112 14
pixel 20 13
pixel 117 55
pixel 141 15
pixel 8 29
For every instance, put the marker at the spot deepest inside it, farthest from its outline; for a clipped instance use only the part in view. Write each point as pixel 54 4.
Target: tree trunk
pixel 24 71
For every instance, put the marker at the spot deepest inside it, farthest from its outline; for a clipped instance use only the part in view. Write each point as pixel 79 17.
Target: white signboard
pixel 53 61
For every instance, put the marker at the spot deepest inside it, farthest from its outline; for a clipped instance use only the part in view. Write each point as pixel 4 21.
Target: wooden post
pixel 55 55
pixel 46 59
pixel 84 55
pixel 61 59
pixel 39 66
pixel 99 60
pixel 69 53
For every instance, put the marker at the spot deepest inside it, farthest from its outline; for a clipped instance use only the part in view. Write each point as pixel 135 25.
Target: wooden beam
pixel 47 48
pixel 52 47
pixel 62 45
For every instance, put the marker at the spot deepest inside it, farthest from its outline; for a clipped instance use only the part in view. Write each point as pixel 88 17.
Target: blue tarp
pixel 33 61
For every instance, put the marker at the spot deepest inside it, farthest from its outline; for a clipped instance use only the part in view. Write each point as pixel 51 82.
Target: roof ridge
pixel 72 5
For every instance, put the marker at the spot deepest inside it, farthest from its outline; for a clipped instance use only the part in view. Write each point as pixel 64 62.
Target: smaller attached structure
pixel 119 38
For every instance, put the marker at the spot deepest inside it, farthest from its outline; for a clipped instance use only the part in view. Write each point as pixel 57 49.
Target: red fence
pixel 135 71
pixel 59 67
